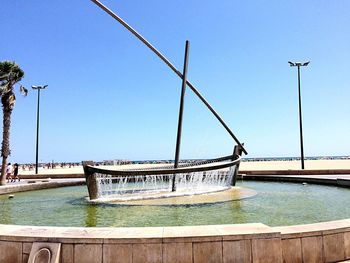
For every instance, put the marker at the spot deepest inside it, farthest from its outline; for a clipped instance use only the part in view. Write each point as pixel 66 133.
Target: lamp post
pixel 300 64
pixel 38 88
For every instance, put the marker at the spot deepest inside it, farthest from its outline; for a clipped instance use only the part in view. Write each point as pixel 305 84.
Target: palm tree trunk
pixel 5 149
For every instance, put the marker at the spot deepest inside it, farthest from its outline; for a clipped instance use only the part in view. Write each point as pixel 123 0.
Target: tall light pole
pixel 38 88
pixel 300 64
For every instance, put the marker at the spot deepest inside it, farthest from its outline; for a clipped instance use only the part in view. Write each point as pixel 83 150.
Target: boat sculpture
pixel 181 178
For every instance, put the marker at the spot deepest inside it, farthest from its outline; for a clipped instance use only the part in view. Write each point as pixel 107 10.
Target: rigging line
pixel 170 65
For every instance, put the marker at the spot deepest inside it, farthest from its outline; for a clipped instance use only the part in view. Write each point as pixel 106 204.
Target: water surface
pixel 275 204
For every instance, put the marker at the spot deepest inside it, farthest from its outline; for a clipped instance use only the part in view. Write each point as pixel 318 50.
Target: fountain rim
pixel 321 181
pixel 200 234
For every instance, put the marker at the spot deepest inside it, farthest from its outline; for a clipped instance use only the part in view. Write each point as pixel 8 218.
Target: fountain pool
pixel 275 204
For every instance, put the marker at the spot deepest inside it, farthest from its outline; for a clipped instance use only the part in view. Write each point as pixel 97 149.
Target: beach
pixel 245 166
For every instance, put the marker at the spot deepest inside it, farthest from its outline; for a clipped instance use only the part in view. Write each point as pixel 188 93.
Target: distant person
pixel 9 172
pixel 15 173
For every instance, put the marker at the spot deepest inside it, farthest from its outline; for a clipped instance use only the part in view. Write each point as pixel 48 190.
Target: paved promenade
pixel 295 165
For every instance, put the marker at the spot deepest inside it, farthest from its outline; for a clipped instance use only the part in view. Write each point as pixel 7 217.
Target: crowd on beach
pixel 52 165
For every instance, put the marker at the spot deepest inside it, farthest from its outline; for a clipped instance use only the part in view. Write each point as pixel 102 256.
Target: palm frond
pixel 6 87
pixel 3 76
pixel 23 90
pixel 10 74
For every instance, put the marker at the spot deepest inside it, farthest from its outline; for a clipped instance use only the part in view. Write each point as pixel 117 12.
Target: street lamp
pixel 299 64
pixel 38 88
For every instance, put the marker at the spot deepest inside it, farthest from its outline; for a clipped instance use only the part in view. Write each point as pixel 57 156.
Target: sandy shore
pixel 245 165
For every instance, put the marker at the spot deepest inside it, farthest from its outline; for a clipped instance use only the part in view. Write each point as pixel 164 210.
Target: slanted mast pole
pixel 179 125
pixel 170 65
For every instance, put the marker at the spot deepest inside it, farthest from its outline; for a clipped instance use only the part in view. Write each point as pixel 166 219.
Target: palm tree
pixel 10 74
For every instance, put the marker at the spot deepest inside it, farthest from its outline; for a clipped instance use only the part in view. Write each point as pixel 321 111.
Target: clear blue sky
pixel 109 97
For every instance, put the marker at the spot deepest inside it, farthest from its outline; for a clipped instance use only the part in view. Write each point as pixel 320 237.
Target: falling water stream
pixel 139 187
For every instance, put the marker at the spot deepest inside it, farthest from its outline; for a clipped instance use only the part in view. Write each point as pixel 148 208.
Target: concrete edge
pixel 296 172
pixel 325 242
pixel 39 185
pixel 185 232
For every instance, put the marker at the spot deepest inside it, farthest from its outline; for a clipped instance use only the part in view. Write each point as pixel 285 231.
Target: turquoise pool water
pixel 275 204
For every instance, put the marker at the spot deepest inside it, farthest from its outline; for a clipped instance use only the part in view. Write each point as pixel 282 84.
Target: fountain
pixel 223 231
pixel 194 178
pixel 89 232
